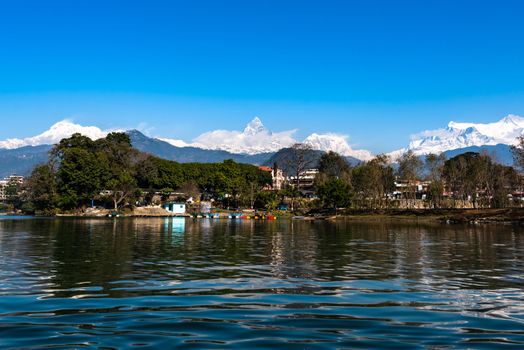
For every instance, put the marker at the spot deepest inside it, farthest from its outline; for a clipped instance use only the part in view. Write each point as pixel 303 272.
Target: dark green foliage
pixel 267 200
pixel 81 174
pixel 80 169
pixel 334 181
pixel 335 193
pixel 42 188
pixel 332 164
pixel 216 179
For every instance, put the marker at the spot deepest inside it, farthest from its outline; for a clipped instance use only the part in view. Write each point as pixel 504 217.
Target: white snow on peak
pixel 255 127
pixel 460 135
pixel 256 138
pixel 57 132
pixel 336 143
pixel 175 142
pixel 253 140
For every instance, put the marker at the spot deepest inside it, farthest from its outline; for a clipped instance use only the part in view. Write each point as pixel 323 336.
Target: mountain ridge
pixel 254 139
pixel 21 155
pixel 462 135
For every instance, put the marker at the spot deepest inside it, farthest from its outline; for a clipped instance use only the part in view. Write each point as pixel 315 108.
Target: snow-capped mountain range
pixel 255 138
pixel 57 132
pixel 461 135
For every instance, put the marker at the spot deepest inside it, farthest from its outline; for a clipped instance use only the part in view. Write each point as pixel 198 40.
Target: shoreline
pixel 444 216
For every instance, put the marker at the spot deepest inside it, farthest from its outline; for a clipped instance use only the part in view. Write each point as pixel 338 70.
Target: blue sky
pixel 375 70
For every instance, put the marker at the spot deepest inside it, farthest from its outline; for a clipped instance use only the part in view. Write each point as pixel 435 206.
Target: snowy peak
pixel 57 132
pixel 336 143
pixel 255 127
pixel 513 120
pixel 255 138
pixel 461 135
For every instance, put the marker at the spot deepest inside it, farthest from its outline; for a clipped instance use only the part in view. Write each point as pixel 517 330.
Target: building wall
pixel 278 179
pixel 175 208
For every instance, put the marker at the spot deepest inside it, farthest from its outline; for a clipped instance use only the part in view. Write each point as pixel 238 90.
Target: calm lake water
pixel 165 283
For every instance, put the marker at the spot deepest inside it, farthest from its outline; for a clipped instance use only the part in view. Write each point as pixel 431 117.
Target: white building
pixel 279 179
pixel 8 181
pixel 306 178
pixel 15 179
pixel 175 208
pixel 277 176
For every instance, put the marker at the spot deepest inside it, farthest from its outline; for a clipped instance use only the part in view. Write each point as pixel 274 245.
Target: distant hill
pixel 501 153
pixel 282 157
pixel 190 154
pixel 21 161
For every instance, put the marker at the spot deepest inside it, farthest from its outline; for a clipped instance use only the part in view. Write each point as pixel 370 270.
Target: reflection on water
pixel 243 284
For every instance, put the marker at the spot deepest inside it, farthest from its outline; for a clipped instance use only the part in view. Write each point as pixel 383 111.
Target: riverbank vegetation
pixel 110 173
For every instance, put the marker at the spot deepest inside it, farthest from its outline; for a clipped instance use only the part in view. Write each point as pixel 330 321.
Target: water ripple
pixel 189 284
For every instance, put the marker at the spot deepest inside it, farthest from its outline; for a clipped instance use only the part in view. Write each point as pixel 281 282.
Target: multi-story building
pixel 406 189
pixel 9 181
pixel 15 179
pixel 277 175
pixel 306 181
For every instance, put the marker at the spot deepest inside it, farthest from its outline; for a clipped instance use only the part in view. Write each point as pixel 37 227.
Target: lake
pixel 165 283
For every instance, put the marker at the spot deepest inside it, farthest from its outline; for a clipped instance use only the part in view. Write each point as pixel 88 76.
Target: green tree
pixel 518 153
pixel 335 193
pixel 83 168
pixel 409 167
pixel 333 165
pixel 373 181
pixel 267 200
pixel 42 188
pixel 475 178
pixel 81 176
pixel 117 150
pixel 299 160
pixel 122 187
pixel 435 166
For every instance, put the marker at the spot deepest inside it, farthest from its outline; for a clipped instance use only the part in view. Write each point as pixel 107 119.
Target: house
pixel 406 189
pixel 279 179
pixel 13 180
pixel 175 208
pixel 277 176
pixel 306 181
pixel 269 171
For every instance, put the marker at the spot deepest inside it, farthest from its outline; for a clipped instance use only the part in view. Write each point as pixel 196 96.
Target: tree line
pixel 111 172
pixel 466 180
